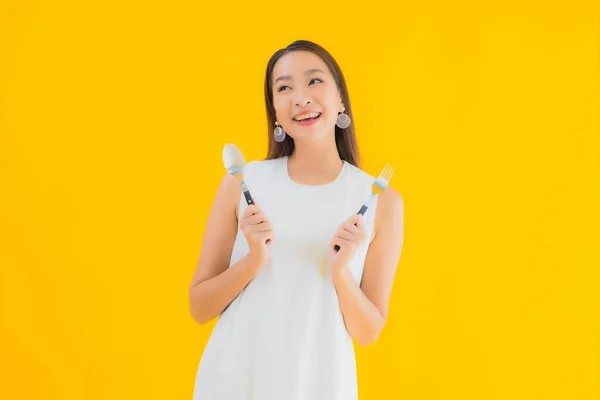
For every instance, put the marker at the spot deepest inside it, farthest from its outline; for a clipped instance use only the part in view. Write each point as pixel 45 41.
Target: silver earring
pixel 343 120
pixel 279 133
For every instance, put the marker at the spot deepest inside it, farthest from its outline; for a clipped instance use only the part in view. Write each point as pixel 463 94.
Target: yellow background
pixel 112 120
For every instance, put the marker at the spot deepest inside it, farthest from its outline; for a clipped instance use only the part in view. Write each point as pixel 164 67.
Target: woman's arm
pixel 215 285
pixel 365 307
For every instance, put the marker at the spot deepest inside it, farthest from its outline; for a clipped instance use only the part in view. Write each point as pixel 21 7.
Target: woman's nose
pixel 301 99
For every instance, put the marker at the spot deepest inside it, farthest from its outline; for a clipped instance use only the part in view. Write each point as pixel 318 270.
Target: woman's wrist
pixel 254 260
pixel 340 274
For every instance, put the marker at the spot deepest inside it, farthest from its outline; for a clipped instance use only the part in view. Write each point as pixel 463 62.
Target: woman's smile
pixel 308 121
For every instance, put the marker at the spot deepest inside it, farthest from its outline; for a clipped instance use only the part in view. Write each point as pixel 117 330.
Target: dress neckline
pixel 339 176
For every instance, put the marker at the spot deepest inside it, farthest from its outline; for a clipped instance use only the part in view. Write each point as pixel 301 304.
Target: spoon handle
pixel 249 199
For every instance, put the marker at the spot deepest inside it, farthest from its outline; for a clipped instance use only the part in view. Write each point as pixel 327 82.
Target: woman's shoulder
pixel 359 173
pixel 359 179
pixel 264 165
pixel 257 171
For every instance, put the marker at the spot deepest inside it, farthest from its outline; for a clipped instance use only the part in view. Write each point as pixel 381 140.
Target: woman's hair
pixel 345 139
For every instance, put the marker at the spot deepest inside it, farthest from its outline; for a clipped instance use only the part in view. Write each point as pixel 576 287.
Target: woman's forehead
pixel 297 63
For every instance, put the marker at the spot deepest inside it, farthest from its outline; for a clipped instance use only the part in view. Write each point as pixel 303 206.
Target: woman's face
pixel 302 83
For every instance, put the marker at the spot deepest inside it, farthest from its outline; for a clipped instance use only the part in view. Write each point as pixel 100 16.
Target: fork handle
pixel 362 211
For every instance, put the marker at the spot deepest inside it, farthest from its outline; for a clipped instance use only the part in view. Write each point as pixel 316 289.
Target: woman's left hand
pixel 349 236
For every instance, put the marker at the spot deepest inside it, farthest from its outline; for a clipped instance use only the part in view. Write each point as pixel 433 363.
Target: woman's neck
pixel 313 165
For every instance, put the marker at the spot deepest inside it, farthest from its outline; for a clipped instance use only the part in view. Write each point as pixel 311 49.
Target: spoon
pixel 234 163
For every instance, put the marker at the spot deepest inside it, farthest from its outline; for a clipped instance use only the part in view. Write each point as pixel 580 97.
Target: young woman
pixel 288 303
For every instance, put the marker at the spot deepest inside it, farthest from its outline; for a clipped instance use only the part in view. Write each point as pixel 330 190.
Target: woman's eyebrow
pixel 289 77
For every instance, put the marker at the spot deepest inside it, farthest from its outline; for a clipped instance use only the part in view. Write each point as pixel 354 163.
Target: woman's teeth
pixel 307 117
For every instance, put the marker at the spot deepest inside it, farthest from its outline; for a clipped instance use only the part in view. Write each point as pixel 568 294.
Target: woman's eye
pixel 314 79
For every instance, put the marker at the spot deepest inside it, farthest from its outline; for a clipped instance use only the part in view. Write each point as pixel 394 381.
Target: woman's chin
pixel 309 135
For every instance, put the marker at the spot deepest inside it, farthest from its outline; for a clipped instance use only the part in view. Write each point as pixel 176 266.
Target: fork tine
pixel 384 171
pixel 388 172
pixel 393 169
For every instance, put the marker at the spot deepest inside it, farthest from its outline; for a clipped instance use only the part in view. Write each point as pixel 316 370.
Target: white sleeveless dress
pixel 283 337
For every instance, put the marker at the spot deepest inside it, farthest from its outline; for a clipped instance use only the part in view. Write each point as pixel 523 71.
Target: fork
pixel 378 186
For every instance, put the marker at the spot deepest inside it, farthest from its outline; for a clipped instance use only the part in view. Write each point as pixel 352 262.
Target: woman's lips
pixel 308 121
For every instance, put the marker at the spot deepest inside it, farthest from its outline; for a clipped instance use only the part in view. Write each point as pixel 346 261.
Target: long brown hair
pixel 345 139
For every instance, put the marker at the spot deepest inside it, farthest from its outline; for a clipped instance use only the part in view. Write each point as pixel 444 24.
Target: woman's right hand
pixel 258 232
